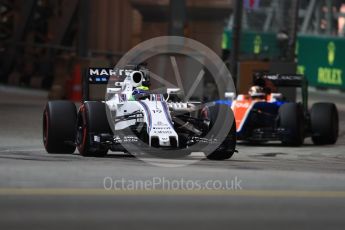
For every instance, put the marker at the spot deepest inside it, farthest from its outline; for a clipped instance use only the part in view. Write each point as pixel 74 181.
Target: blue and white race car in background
pixel 265 115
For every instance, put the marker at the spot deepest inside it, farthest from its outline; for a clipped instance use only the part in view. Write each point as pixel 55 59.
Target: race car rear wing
pixel 94 83
pixel 95 80
pixel 284 80
pixel 280 80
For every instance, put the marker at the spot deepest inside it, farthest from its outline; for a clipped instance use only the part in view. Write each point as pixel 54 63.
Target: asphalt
pixel 261 187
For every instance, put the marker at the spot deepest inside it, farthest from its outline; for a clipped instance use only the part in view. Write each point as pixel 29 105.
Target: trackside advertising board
pixel 321 59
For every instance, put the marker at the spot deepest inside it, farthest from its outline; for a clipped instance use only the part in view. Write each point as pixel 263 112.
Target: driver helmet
pixel 256 92
pixel 139 92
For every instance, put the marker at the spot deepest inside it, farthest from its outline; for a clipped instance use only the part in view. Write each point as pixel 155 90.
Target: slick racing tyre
pixel 227 148
pixel 92 119
pixel 324 123
pixel 59 122
pixel 291 120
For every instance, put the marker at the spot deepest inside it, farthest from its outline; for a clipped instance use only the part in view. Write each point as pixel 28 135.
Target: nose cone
pixel 164 141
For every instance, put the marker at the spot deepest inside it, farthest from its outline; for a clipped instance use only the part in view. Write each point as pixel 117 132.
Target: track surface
pixel 279 187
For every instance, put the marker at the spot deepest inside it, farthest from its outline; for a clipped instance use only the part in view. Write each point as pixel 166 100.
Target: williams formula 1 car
pixel 264 115
pixel 133 116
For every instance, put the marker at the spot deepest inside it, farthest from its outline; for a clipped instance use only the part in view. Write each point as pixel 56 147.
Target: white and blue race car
pixel 132 118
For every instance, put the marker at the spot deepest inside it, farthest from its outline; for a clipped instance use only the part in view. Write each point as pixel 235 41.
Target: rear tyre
pixel 324 123
pixel 291 119
pixel 92 119
pixel 59 122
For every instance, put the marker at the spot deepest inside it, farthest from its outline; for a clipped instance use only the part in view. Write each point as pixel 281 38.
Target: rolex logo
pixel 331 53
pixel 257 44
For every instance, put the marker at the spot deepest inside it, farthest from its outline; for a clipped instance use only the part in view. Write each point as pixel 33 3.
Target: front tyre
pixel 59 122
pixel 324 123
pixel 227 147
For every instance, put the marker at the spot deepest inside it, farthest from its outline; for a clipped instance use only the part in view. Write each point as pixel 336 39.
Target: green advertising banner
pixel 321 59
pixel 254 44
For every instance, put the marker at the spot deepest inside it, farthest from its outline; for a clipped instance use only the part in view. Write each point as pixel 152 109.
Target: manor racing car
pixel 265 115
pixel 133 118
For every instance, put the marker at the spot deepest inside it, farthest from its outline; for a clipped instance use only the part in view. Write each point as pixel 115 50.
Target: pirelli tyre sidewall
pixel 92 119
pixel 291 120
pixel 227 148
pixel 59 122
pixel 324 123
